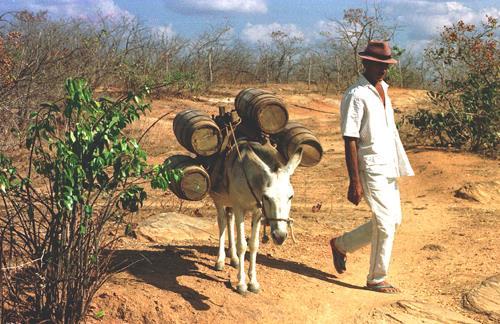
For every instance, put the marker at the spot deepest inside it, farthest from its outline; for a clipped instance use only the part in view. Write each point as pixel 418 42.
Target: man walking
pixel 375 157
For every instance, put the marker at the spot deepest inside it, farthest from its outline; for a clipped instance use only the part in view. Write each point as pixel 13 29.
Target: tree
pixel 206 50
pixel 277 58
pixel 286 47
pixel 357 27
pixel 467 114
pixel 409 71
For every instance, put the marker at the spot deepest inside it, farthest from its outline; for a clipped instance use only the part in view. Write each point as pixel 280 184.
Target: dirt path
pixel 445 245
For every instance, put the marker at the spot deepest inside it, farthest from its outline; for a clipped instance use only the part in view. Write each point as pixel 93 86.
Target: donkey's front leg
pixel 241 247
pixel 230 235
pixel 221 221
pixel 253 285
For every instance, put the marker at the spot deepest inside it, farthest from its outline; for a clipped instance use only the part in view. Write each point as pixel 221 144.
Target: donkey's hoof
pixel 219 266
pixel 242 289
pixel 235 263
pixel 254 287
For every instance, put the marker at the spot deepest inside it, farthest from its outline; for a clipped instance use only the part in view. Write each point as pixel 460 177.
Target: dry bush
pixel 466 113
pixel 38 53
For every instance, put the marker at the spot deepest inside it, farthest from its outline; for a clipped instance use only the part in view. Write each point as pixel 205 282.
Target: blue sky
pixel 254 20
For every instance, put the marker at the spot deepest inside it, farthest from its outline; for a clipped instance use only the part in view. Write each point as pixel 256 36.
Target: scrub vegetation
pixel 466 113
pixel 65 201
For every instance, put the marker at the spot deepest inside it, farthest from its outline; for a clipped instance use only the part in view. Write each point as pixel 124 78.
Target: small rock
pixel 480 192
pixel 316 208
pixel 485 299
pixel 433 247
pixel 168 227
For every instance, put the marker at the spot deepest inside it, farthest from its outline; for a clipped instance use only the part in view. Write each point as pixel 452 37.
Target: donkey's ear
pixel 254 158
pixel 294 161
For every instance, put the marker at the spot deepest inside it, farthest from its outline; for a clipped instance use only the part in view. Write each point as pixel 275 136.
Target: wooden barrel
pixel 248 131
pixel 296 135
pixel 263 109
pixel 195 181
pixel 197 132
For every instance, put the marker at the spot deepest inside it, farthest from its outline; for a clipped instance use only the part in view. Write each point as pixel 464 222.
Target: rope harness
pixel 263 216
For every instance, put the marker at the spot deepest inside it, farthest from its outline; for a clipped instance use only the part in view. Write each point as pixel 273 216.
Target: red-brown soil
pixel 445 246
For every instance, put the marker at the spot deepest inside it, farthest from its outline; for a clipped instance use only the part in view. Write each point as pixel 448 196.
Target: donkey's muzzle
pixel 279 236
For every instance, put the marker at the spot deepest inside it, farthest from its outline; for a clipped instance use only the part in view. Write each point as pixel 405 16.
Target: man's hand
pixel 355 192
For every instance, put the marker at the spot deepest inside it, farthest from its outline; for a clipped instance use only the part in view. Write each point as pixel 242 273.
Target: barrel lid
pixel 303 137
pixel 312 152
pixel 206 140
pixel 195 184
pixel 273 118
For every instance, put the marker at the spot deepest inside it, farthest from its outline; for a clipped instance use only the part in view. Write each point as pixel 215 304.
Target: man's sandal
pixel 339 258
pixel 383 287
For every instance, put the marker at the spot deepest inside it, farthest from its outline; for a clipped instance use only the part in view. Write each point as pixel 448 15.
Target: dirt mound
pixel 169 282
pixel 169 227
pixel 485 299
pixel 405 311
pixel 483 192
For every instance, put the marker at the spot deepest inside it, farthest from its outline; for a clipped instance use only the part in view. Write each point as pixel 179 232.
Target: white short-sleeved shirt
pixel 363 116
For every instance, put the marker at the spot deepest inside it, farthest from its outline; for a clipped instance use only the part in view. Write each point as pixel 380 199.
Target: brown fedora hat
pixel 378 51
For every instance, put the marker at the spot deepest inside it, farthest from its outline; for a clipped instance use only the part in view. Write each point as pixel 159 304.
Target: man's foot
pixel 383 287
pixel 339 258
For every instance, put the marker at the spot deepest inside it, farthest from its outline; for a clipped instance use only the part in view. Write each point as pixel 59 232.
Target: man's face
pixel 375 71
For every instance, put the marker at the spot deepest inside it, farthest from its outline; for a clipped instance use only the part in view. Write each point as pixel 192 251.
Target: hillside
pixel 445 246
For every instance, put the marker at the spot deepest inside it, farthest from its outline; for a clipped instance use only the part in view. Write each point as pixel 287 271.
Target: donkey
pixel 254 179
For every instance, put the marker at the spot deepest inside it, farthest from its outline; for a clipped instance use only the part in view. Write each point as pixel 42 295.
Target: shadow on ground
pixel 162 269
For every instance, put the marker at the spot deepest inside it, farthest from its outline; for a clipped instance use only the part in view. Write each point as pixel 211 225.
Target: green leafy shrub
pixel 61 217
pixel 466 112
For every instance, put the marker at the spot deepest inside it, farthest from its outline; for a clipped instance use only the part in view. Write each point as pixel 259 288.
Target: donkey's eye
pixel 290 198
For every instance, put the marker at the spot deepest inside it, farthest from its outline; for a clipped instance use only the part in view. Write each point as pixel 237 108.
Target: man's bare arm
pixel 355 192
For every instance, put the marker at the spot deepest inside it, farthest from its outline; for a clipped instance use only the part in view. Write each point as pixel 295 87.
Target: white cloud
pixel 166 31
pixel 423 20
pixel 262 33
pixel 327 27
pixel 207 6
pixel 86 9
pixel 493 12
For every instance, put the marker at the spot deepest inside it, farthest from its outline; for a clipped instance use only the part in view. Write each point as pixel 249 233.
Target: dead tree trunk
pixel 309 74
pixel 210 67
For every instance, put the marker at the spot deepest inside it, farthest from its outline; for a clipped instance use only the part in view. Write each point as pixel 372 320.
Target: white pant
pixel 382 195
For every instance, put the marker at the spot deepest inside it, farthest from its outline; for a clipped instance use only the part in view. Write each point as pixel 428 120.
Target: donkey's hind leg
pixel 230 233
pixel 221 221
